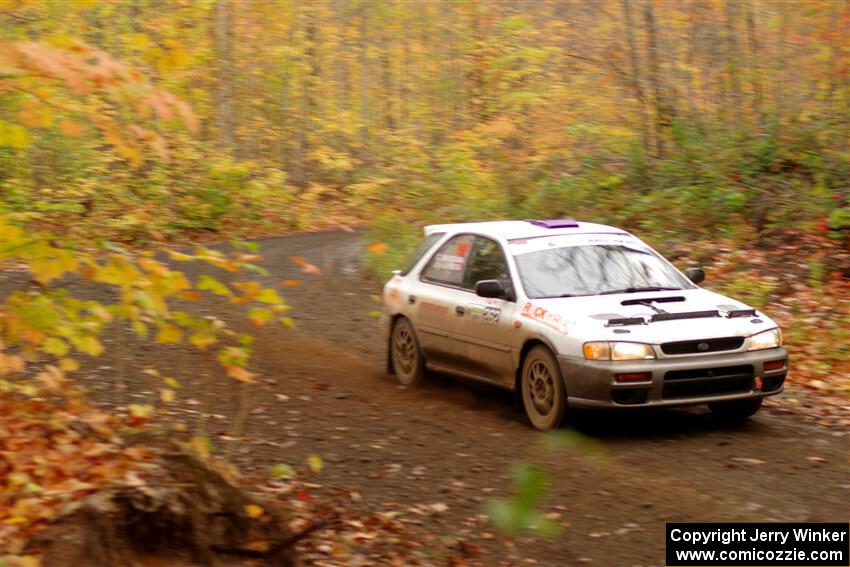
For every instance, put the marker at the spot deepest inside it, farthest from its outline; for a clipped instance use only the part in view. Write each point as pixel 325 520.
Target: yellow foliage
pixel 253 511
pixel 241 374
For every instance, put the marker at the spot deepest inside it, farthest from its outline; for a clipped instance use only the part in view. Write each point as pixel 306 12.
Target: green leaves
pixel 169 334
pixel 271 296
pixel 13 135
pixel 282 471
pixel 209 283
pixel 55 346
pixel 53 322
pixel 260 316
pixel 519 513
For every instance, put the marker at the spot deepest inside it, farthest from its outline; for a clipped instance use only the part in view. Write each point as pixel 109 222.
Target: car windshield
pixel 570 271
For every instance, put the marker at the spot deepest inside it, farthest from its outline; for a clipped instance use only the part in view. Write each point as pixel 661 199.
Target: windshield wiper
pixel 637 290
pixel 560 295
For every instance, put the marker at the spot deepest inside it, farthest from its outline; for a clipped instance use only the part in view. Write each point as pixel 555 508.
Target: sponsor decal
pixel 522 246
pixel 484 313
pixel 428 309
pixel 453 261
pixel 462 248
pixel 393 296
pixel 449 262
pixel 546 317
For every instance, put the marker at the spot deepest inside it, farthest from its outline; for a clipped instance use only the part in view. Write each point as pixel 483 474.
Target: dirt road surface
pixel 323 390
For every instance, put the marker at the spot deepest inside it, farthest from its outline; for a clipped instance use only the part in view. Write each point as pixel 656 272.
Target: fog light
pixel 774 365
pixel 633 377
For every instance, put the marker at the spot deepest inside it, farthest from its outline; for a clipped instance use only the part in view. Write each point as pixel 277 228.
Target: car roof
pixel 519 229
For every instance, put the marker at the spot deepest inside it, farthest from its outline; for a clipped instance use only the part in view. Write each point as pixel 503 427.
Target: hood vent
pixel 741 313
pixel 670 299
pixel 686 315
pixel 626 321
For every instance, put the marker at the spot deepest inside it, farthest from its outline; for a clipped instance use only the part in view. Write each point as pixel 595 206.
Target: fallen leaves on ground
pixel 800 280
pixel 342 532
pixel 53 453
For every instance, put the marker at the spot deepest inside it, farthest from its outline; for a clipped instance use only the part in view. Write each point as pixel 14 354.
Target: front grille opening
pixel 772 384
pixel 630 396
pixel 708 382
pixel 702 346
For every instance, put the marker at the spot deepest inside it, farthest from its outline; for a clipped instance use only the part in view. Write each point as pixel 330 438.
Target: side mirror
pixel 696 275
pixel 490 288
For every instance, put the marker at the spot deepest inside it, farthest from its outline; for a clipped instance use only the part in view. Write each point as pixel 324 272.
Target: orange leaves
pixel 71 128
pixel 306 266
pixel 50 461
pixel 11 364
pixel 34 115
pixel 253 511
pixel 52 377
pixel 377 248
pixel 169 334
pixel 250 290
pixel 241 374
pixel 88 72
pixel 290 283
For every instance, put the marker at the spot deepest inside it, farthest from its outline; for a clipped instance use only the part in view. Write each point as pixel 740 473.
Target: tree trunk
pixel 661 116
pixel 364 85
pixel 732 61
pixel 387 82
pixel 755 66
pixel 779 79
pixel 846 69
pixel 223 30
pixel 636 80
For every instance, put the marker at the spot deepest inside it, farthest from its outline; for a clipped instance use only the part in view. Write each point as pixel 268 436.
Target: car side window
pixel 447 265
pixel 487 262
pixel 427 243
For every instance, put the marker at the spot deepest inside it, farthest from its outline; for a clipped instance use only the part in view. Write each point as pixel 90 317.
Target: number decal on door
pixel 485 313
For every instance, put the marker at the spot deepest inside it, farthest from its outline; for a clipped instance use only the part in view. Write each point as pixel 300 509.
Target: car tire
pixel 737 410
pixel 406 358
pixel 544 396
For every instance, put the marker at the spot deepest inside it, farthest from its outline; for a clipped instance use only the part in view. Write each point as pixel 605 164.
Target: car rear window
pixel 427 243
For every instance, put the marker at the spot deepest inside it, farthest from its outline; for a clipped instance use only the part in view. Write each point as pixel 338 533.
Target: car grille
pixel 708 381
pixel 702 346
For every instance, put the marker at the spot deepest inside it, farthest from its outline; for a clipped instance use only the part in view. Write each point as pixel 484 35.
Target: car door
pixel 487 326
pixel 438 303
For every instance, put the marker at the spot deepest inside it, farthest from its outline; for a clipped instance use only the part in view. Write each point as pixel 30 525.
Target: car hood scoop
pixel 658 317
pixel 646 300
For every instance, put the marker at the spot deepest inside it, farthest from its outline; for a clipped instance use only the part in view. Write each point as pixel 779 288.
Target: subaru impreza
pixel 575 315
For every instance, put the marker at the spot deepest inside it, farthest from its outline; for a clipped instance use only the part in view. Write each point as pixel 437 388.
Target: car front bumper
pixel 678 381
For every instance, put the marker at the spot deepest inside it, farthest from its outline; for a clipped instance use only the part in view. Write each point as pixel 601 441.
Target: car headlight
pixel 766 339
pixel 606 350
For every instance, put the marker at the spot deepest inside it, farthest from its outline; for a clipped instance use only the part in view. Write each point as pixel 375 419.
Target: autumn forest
pixel 717 130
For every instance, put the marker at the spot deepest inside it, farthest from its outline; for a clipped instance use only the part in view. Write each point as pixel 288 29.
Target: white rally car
pixel 574 314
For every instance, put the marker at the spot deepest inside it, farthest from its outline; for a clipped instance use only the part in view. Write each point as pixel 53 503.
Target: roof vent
pixel 555 223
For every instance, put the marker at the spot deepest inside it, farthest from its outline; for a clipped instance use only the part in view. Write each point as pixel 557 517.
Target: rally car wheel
pixel 737 410
pixel 543 393
pixel 406 357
